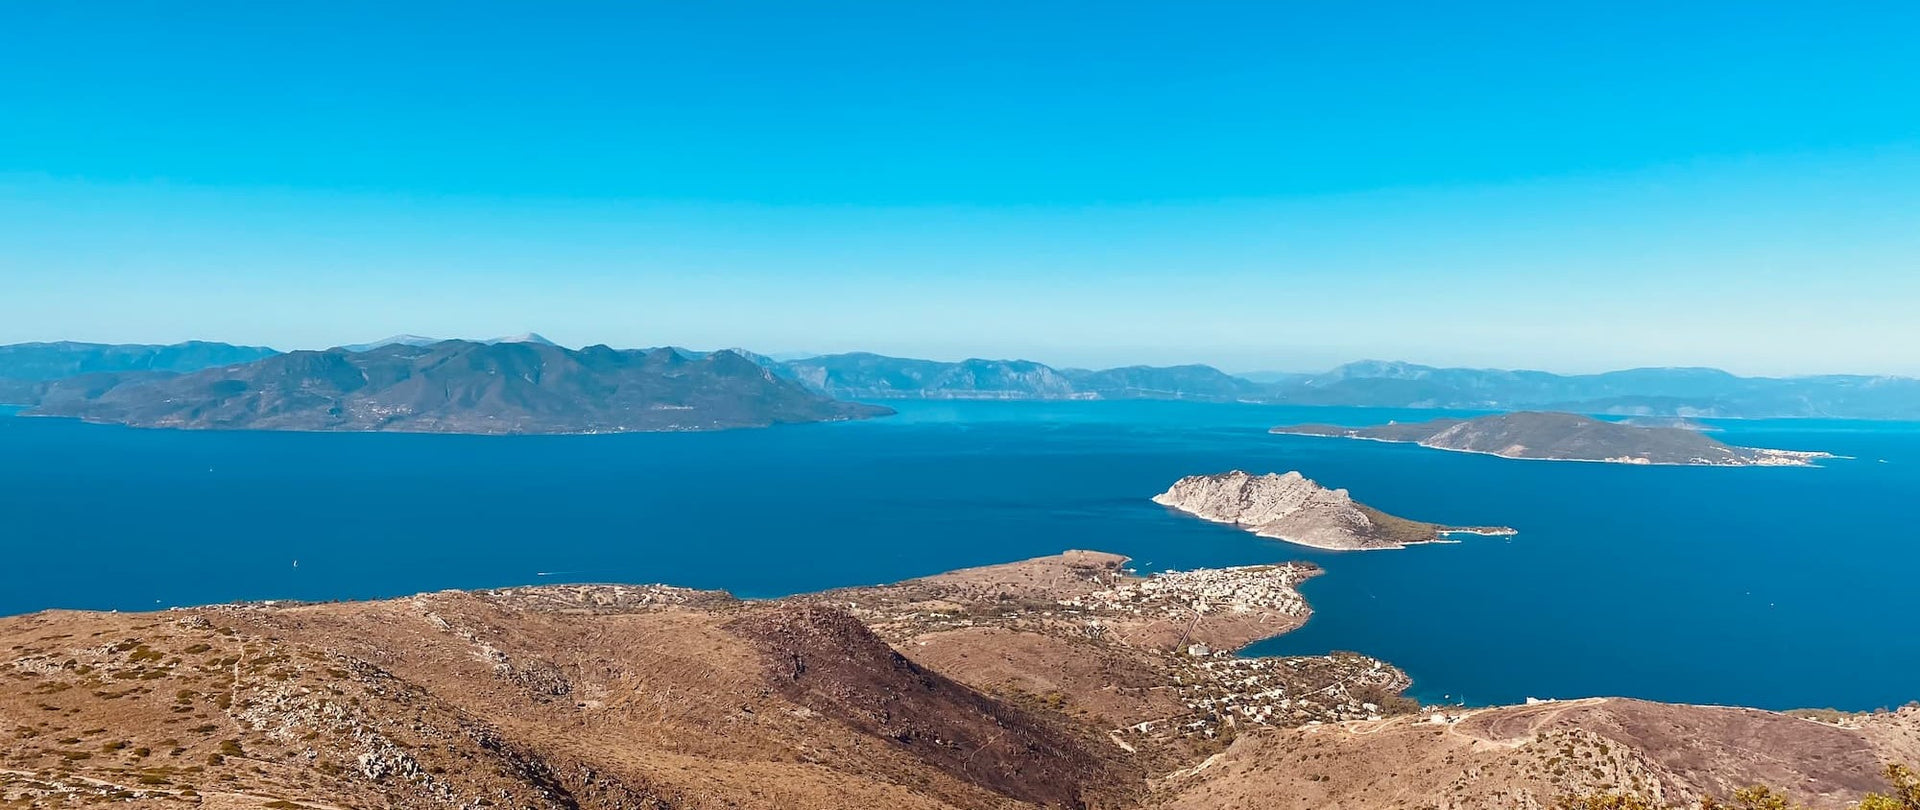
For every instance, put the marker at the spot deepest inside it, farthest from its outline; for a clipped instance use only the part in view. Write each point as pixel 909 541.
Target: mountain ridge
pixel 454 387
pixel 1683 392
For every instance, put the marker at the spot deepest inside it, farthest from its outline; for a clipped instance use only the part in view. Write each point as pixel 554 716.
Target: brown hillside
pixel 1062 682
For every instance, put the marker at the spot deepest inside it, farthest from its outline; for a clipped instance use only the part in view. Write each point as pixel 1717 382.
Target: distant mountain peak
pixel 524 337
pixel 395 340
pixel 1389 369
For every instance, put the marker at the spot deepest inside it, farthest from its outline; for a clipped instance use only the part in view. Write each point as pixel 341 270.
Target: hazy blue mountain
pixel 455 387
pixel 524 337
pixel 26 368
pixel 420 340
pixel 52 361
pixel 1166 382
pixel 1687 392
pixel 1678 392
pixel 395 340
pixel 1272 377
pixel 873 376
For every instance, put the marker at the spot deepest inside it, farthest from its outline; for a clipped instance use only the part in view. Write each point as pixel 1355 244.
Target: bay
pixel 1776 588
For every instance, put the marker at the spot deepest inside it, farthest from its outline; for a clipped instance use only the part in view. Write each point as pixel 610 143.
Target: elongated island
pixel 1547 436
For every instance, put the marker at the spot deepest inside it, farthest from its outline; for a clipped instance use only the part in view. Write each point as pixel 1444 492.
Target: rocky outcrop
pixel 1293 508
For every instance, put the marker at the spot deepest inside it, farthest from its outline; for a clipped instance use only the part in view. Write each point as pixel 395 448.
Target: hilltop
pixel 454 387
pixel 1568 437
pixel 1060 682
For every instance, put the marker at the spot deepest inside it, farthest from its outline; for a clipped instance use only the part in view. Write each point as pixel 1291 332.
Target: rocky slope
pixel 454 387
pixel 1529 757
pixel 1292 508
pixel 1062 682
pixel 1568 437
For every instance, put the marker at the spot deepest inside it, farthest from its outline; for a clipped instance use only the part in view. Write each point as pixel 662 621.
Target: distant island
pixel 1567 437
pixel 1690 393
pixel 1293 508
pixel 524 386
pixel 1653 393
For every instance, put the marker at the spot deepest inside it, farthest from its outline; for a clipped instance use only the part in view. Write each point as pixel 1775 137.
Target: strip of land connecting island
pixel 1548 436
pixel 1293 508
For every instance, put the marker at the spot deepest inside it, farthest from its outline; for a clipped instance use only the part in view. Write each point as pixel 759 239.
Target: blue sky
pixel 1255 185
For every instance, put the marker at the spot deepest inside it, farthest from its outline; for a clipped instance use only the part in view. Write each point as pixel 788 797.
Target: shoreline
pixel 659 594
pixel 1440 535
pixel 25 412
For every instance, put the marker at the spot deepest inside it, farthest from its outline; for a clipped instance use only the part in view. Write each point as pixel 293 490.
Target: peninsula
pixel 1293 508
pixel 453 386
pixel 1568 437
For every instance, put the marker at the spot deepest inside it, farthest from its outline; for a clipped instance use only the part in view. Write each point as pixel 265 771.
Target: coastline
pixel 25 412
pixel 1440 534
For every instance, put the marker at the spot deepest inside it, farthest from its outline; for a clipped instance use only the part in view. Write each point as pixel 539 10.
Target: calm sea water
pixel 1771 587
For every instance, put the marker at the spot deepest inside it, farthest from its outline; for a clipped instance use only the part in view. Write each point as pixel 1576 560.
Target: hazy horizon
pixel 783 356
pixel 1575 188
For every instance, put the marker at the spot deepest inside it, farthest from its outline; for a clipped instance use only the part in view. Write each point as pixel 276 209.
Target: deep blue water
pixel 1771 587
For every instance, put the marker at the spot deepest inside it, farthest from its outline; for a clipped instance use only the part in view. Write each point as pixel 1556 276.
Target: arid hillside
pixel 1061 682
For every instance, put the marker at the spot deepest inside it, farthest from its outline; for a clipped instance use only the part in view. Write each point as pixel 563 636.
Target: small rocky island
pixel 1568 437
pixel 1293 508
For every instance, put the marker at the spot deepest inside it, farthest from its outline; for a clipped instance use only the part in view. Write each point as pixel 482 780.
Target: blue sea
pixel 1778 588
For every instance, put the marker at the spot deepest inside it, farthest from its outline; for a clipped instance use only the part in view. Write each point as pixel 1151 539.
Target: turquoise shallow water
pixel 1771 587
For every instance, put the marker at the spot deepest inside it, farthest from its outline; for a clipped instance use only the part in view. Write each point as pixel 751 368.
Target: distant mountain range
pixel 25 368
pixel 1664 392
pixel 53 361
pixel 1651 392
pixel 418 340
pixel 453 387
pixel 873 376
pixel 1683 392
